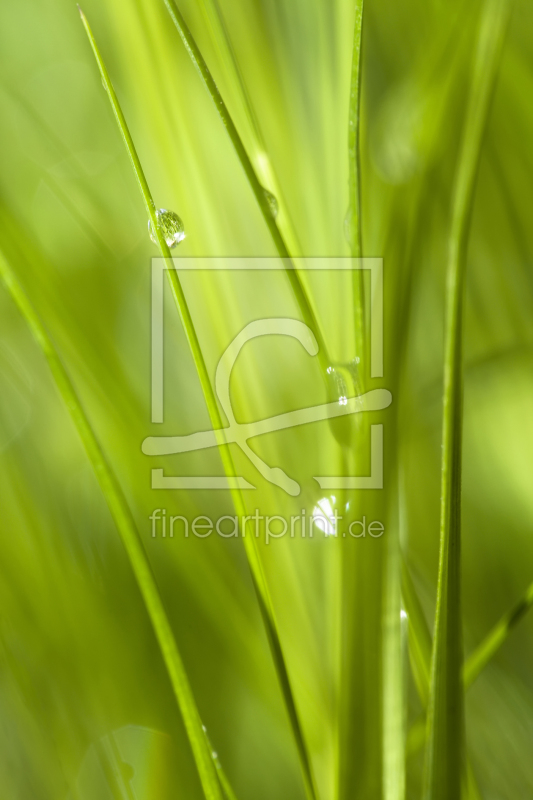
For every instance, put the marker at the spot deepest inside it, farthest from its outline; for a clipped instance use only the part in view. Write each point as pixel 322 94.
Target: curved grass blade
pixel 444 757
pixel 259 192
pixel 216 23
pixel 254 561
pixel 130 538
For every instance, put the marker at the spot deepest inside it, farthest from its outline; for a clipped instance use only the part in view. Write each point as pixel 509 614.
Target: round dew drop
pixel 170 225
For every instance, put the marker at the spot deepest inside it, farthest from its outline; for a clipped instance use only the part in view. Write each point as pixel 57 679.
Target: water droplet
pixel 272 203
pixel 325 517
pixel 338 393
pixel 342 391
pixel 170 225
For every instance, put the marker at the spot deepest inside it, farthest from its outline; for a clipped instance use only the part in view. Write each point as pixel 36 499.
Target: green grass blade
pixel 129 535
pixel 353 224
pixel 393 679
pixel 250 544
pixel 444 762
pixel 353 221
pixel 203 70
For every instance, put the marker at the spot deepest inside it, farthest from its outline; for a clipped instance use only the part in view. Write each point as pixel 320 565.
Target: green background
pixel 79 662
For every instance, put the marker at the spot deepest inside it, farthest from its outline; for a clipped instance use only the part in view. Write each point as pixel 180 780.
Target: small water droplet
pixel 214 754
pixel 272 203
pixel 324 516
pixel 340 389
pixel 170 225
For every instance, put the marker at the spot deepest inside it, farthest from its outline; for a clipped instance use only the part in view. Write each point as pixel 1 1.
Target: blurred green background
pixel 80 671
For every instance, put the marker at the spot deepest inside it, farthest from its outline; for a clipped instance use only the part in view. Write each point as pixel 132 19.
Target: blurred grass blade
pixel 353 222
pixel 250 545
pixel 444 757
pixel 129 535
pixel 486 650
pixel 203 70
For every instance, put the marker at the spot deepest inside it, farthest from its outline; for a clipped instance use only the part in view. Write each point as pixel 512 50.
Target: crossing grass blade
pixel 481 656
pixel 254 560
pixel 130 538
pixel 445 748
pixel 420 647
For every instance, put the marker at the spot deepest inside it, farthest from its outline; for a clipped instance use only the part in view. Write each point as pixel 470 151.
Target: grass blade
pixel 203 70
pixel 444 760
pixel 129 535
pixel 353 223
pixel 393 677
pixel 250 545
